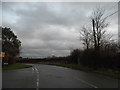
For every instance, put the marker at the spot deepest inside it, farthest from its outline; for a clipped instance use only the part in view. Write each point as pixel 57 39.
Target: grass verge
pixel 73 66
pixel 110 73
pixel 15 66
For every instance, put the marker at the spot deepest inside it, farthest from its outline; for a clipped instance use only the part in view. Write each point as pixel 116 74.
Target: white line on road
pixel 36 70
pixel 37 82
pixel 33 69
pixel 83 81
pixel 87 83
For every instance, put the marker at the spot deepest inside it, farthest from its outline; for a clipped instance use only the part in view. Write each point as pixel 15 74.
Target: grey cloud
pixel 47 27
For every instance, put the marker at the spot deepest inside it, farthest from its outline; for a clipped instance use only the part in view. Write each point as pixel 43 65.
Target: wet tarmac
pixel 48 76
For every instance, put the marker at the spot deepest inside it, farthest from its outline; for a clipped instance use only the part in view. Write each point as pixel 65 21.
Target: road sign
pixel 2 54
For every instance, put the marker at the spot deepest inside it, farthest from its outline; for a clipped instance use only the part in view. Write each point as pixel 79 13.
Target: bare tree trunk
pixel 94 34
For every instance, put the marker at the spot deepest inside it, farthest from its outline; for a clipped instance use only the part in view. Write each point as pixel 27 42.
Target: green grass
pixel 15 66
pixel 110 73
pixel 73 66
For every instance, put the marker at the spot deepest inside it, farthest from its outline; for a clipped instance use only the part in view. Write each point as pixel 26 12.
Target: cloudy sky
pixel 52 28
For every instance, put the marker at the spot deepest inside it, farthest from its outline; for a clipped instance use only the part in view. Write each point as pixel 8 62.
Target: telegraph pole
pixel 94 34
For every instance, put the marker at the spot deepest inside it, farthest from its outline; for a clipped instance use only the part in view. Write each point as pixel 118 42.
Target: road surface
pixel 48 76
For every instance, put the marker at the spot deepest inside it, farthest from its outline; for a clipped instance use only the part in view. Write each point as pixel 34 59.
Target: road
pixel 48 76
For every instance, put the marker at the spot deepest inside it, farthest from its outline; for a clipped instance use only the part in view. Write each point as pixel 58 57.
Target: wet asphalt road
pixel 48 76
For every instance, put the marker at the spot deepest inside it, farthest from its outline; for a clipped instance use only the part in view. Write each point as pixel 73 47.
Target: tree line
pixel 101 50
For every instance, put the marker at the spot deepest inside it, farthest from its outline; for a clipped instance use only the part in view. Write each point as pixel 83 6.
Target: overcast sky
pixel 47 29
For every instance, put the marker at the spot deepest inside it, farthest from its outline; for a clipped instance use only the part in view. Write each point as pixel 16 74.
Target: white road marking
pixel 33 69
pixel 73 77
pixel 83 81
pixel 36 70
pixel 37 84
pixel 87 83
pixel 37 81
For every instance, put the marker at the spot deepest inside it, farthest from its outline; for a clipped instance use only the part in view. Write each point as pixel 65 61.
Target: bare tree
pixel 99 24
pixel 96 35
pixel 85 36
pixel 106 40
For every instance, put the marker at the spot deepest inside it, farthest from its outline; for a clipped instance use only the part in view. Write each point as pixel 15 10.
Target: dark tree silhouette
pixel 10 44
pixel 101 50
pixel 99 24
pixel 86 37
pixel 75 56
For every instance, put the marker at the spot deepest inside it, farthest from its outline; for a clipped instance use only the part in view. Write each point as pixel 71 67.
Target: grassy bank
pixel 15 66
pixel 110 73
pixel 73 66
